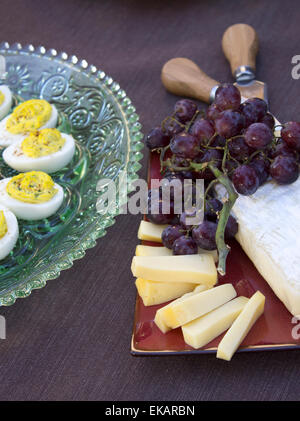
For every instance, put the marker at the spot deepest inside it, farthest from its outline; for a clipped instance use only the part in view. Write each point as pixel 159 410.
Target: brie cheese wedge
pixel 269 233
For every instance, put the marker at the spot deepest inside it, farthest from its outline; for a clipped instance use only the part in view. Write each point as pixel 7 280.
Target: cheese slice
pixel 201 331
pixel 269 226
pixel 150 232
pixel 241 326
pixel 153 293
pixel 142 250
pixel 195 268
pixel 160 314
pixel 152 251
pixel 198 304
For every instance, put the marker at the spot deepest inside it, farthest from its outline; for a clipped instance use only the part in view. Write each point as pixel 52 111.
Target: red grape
pixel 157 138
pixel 254 109
pixel 261 167
pixel 268 120
pixel 189 214
pixel 290 133
pixel 185 245
pixel 185 145
pixel 283 149
pixel 238 148
pixel 213 112
pixel 249 112
pixel 260 106
pixel 171 126
pixel 203 130
pixel 170 234
pixel 212 208
pixel 155 210
pixel 258 136
pixel 185 109
pixel 213 155
pixel 210 155
pixel 205 235
pixel 229 123
pixel 227 97
pixel 284 169
pixel 218 141
pixel 245 180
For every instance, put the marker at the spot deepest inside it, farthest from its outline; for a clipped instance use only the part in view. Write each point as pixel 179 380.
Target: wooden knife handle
pixel 240 46
pixel 183 77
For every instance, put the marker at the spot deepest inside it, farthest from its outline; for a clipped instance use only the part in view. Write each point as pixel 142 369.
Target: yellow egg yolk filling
pixel 3 225
pixel 2 98
pixel 42 143
pixel 31 187
pixel 29 116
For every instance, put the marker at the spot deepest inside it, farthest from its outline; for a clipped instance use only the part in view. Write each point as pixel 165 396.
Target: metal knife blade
pixel 253 89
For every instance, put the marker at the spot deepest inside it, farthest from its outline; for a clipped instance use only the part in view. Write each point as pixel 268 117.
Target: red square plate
pixel 272 331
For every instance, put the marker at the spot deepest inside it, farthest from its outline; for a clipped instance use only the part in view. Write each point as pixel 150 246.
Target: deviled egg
pixel 5 100
pixel 27 117
pixel 9 231
pixel 31 196
pixel 45 150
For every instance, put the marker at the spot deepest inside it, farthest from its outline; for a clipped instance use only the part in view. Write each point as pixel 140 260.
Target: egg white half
pixel 16 159
pixel 8 241
pixel 31 211
pixel 7 103
pixel 7 138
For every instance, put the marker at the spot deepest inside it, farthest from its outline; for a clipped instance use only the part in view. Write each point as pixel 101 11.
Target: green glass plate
pixel 109 141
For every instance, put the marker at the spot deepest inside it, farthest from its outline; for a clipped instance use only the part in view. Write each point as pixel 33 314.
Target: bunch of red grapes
pixel 239 140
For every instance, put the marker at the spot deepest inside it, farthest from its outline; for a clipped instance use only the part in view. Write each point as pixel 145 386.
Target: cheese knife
pixel 183 77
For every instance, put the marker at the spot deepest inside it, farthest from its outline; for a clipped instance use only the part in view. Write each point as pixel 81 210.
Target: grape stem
pixel 223 248
pixel 162 156
pixel 189 125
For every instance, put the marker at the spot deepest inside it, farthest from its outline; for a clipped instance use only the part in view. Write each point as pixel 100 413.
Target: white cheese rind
pixel 269 233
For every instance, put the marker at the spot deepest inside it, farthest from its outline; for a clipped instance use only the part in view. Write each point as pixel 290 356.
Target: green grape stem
pixel 222 178
pixel 223 248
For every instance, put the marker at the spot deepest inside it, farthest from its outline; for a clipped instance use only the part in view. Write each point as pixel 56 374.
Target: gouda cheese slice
pixel 152 251
pixel 201 331
pixel 198 304
pixel 195 268
pixel 241 326
pixel 160 314
pixel 150 232
pixel 153 293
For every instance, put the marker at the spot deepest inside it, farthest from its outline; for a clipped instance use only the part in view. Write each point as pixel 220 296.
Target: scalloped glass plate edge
pixel 135 136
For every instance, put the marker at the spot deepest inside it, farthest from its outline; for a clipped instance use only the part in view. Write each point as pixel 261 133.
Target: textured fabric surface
pixel 71 340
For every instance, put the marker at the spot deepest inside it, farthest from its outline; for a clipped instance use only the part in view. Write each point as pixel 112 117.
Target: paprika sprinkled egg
pixel 9 231
pixel 5 100
pixel 32 195
pixel 27 117
pixel 45 150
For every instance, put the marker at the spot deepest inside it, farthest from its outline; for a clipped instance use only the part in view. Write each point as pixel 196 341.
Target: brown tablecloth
pixel 71 340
